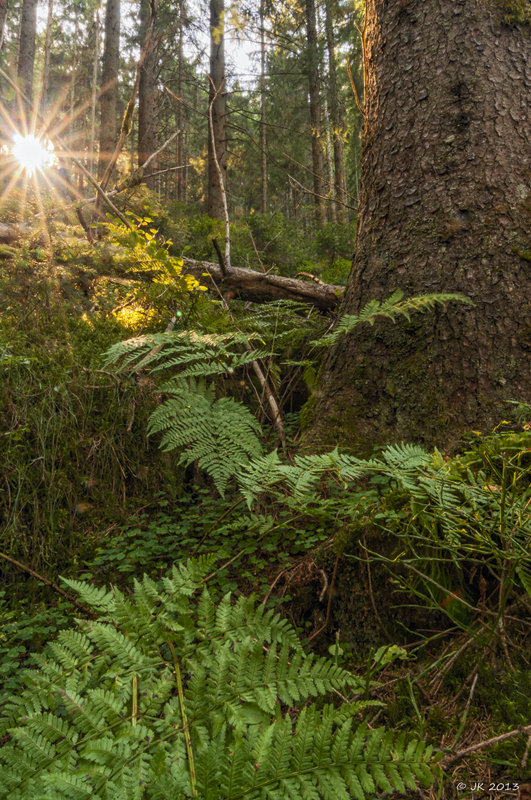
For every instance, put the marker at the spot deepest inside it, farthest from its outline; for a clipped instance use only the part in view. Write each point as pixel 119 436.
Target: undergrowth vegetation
pixel 145 425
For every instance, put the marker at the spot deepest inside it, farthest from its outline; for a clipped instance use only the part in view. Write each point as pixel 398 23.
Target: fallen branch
pixel 49 583
pixel 221 259
pixel 447 760
pixel 271 399
pixel 259 288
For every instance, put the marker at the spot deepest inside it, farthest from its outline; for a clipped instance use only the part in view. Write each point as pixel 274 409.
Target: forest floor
pixel 427 598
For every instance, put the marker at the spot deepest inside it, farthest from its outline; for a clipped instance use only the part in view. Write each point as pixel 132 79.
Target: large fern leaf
pixel 222 435
pixel 188 352
pixel 111 720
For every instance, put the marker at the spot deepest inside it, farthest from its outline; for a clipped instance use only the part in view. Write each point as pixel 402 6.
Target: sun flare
pixel 32 153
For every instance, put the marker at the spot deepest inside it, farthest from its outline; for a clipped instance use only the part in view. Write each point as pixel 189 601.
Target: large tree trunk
pixel 218 109
pixel 146 98
pixel 315 114
pixel 109 80
pixel 26 49
pixel 445 207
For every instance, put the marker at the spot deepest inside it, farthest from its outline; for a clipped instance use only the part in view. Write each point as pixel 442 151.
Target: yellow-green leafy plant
pixel 142 250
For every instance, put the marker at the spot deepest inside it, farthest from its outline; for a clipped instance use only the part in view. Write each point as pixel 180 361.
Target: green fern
pixel 169 696
pixel 403 463
pixel 391 308
pixel 221 434
pixel 190 352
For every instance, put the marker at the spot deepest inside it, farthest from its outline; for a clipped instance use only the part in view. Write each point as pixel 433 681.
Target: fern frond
pixel 391 308
pixel 222 435
pixel 96 597
pixel 406 456
pixel 192 353
pixel 80 734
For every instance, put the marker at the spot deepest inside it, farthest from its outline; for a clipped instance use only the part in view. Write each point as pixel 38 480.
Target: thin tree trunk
pixel 165 165
pixel 325 117
pixel 94 89
pixel 130 108
pixel 185 170
pixel 146 97
pixel 4 4
pixel 218 109
pixel 329 162
pixel 178 178
pixel 445 206
pixel 132 150
pixel 180 113
pixel 26 50
pixel 47 48
pixel 315 113
pixel 109 80
pixel 338 125
pixel 73 81
pixel 263 130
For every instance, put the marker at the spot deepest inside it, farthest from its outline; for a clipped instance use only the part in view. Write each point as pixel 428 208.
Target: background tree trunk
pixel 263 119
pixel 329 163
pixel 315 113
pixel 445 207
pixel 47 47
pixel 218 90
pixel 4 4
pixel 94 88
pixel 109 80
pixel 26 50
pixel 338 126
pixel 180 111
pixel 147 134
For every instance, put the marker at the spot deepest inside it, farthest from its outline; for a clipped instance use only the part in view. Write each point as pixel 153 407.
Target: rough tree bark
pixel 218 106
pixel 109 81
pixel 26 48
pixel 146 97
pixel 315 113
pixel 445 207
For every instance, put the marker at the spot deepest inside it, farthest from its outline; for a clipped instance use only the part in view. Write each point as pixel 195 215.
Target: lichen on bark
pixel 514 11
